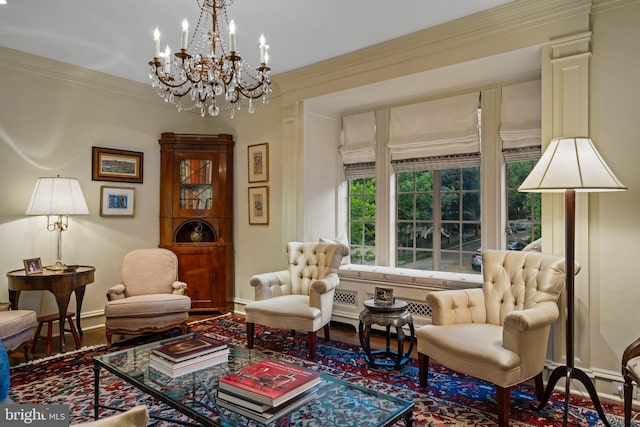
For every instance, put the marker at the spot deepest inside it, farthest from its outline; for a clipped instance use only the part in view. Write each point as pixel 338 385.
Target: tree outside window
pixel 362 220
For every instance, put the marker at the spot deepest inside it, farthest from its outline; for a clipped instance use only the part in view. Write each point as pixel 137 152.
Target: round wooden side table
pixel 396 315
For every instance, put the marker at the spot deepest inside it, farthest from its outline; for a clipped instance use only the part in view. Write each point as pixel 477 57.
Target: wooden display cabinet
pixel 196 215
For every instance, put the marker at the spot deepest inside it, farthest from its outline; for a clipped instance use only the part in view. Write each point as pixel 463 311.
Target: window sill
pixel 407 276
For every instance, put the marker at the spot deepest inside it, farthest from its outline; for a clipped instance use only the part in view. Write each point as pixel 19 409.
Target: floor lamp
pixel 571 165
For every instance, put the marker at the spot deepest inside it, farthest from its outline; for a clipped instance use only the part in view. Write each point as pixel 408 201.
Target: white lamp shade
pixel 571 164
pixel 57 196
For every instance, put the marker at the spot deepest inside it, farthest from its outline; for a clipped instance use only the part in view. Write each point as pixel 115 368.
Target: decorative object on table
pixel 269 381
pixel 61 197
pixel 498 333
pixel 116 165
pixel 211 77
pixel 571 165
pixel 258 162
pixel 258 205
pixel 383 296
pixel 149 297
pixel 32 266
pixel 300 297
pixel 117 201
pixel 186 348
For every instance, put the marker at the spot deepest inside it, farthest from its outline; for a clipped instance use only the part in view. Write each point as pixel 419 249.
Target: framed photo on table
pixel 259 205
pixel 32 266
pixel 109 164
pixel 117 201
pixel 258 157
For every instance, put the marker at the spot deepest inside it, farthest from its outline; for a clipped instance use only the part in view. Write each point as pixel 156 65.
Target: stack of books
pixel 267 390
pixel 188 354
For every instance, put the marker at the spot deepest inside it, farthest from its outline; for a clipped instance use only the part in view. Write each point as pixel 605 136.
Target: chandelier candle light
pixel 198 80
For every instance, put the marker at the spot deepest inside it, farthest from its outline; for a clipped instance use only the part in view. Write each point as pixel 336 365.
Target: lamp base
pixel 58 266
pixel 568 373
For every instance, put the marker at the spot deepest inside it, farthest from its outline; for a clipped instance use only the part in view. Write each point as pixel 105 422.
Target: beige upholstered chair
pixel 631 375
pixel 300 298
pixel 138 416
pixel 150 297
pixel 498 333
pixel 16 328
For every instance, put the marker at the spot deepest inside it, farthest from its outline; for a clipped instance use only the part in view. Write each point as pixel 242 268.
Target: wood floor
pixel 96 336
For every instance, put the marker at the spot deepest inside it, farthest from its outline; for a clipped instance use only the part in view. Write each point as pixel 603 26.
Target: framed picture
pixel 383 296
pixel 259 205
pixel 258 156
pixel 116 165
pixel 32 266
pixel 117 201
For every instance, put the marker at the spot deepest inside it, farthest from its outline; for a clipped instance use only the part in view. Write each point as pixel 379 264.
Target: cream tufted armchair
pixel 498 333
pixel 150 297
pixel 300 298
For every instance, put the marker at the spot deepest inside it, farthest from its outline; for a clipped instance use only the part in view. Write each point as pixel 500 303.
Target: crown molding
pixel 509 27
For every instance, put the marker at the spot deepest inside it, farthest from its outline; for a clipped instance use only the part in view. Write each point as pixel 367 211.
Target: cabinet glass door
pixel 196 189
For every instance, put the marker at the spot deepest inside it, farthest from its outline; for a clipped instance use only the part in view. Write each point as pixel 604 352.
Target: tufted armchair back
pixel 309 261
pixel 149 271
pixel 515 280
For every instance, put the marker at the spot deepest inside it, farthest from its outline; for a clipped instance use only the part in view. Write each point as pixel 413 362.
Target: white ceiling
pixel 115 36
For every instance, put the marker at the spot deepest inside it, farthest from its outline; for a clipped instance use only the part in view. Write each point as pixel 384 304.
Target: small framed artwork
pixel 117 201
pixel 258 156
pixel 32 266
pixel 383 296
pixel 116 165
pixel 259 205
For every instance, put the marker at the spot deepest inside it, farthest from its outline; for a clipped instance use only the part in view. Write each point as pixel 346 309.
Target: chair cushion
pixel 13 322
pixel 285 312
pixel 148 305
pixel 5 377
pixel 138 416
pixel 474 349
pixel 149 271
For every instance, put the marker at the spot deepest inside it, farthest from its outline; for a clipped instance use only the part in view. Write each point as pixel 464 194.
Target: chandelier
pixel 207 73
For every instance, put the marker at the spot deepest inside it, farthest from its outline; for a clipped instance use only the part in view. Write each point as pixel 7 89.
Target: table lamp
pixel 571 165
pixel 59 197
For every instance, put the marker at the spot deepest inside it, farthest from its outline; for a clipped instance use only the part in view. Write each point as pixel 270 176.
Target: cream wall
pixel 51 115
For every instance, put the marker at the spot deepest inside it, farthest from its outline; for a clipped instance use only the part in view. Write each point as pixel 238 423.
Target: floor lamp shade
pixel 571 165
pixel 57 196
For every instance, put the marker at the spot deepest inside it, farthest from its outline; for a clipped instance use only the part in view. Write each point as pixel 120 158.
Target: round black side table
pixel 396 315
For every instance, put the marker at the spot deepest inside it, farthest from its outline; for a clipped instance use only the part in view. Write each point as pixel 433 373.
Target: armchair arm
pixel 631 352
pixel 269 285
pixel 115 292
pixel 179 288
pixel 457 306
pixel 526 332
pixel 326 284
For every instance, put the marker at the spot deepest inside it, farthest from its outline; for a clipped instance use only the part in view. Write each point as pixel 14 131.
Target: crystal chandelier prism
pixel 207 73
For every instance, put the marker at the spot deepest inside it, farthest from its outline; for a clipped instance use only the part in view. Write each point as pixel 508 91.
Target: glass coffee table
pixel 337 402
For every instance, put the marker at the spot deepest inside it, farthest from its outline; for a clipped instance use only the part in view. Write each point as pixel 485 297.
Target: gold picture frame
pixel 258 205
pixel 117 201
pixel 109 164
pixel 32 266
pixel 258 162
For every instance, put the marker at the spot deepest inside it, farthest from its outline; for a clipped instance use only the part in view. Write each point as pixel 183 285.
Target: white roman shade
pixel 437 134
pixel 359 145
pixel 521 121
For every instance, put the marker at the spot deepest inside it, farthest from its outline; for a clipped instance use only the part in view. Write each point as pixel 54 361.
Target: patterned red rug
pixel 451 398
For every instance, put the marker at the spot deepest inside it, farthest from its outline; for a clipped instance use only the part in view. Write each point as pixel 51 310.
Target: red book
pixel 269 381
pixel 189 347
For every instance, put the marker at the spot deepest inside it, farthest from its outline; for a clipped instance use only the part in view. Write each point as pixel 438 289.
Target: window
pixel 362 220
pixel 524 209
pixel 438 219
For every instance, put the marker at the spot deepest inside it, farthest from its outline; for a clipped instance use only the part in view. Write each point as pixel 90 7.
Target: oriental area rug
pixel 451 399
